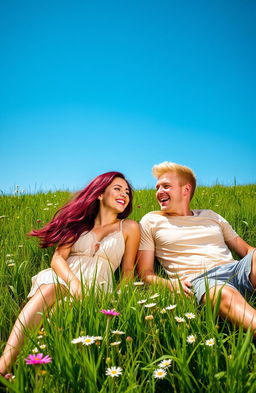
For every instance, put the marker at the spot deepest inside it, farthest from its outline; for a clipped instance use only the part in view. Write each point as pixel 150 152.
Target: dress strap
pixel 121 225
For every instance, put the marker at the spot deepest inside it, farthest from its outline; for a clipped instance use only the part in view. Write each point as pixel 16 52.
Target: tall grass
pixel 228 365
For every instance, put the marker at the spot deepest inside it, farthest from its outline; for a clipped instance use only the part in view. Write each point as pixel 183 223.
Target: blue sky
pixel 93 86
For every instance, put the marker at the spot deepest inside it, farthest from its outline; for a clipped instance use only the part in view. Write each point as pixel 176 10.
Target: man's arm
pixel 145 268
pixel 239 246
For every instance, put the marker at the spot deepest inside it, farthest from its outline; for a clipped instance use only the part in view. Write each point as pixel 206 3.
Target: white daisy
pixel 154 296
pixel 179 319
pixel 35 350
pixel 77 340
pixel 115 343
pixel 137 283
pixel 43 346
pixel 163 311
pixel 98 338
pixel 118 332
pixel 191 339
pixel 210 342
pixel 142 301
pixel 159 373
pixel 171 307
pixel 149 305
pixel 88 340
pixel 165 363
pixel 114 371
pixel 190 315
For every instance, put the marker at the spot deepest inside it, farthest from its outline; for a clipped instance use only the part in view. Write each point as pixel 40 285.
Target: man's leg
pixel 252 276
pixel 233 306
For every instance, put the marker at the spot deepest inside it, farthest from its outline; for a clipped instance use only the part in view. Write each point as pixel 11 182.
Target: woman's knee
pixel 46 294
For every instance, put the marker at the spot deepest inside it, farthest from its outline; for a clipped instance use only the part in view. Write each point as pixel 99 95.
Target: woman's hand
pixel 75 288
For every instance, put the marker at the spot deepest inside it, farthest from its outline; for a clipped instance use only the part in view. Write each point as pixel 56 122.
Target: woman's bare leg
pixel 29 317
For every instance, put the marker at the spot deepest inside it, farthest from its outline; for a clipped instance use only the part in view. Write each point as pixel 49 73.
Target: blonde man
pixel 193 245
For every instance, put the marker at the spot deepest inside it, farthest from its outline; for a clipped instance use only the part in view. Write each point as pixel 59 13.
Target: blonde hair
pixel 185 174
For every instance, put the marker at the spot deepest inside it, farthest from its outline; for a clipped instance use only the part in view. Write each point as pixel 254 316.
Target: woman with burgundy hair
pixel 93 237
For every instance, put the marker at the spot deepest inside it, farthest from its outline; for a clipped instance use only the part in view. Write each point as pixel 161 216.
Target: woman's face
pixel 116 195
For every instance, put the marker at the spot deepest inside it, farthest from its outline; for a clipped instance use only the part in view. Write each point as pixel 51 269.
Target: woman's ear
pixel 100 197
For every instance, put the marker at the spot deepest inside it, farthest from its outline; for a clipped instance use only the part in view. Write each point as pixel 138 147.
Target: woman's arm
pixel 132 238
pixel 61 268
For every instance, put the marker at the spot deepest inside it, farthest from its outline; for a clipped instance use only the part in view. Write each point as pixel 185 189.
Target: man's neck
pixel 180 212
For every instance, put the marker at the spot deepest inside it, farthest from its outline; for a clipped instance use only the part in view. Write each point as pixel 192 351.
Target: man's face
pixel 169 192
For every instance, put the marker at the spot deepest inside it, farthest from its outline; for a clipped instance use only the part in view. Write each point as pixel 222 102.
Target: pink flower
pixel 38 359
pixel 110 312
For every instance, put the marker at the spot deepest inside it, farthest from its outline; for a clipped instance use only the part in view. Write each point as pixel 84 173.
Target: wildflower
pixel 163 311
pixel 129 339
pixel 98 338
pixel 118 332
pixel 49 204
pixel 110 312
pixel 210 342
pixel 179 319
pixel 149 317
pixel 38 359
pixel 40 336
pixel 43 346
pixel 88 340
pixel 190 315
pixel 43 372
pixel 38 221
pixel 159 373
pixel 138 283
pixel 191 339
pixel 35 350
pixel 78 340
pixel 114 371
pixel 46 208
pixel 165 363
pixel 113 344
pixel 150 305
pixel 142 301
pixel 171 307
pixel 154 296
pixel 11 264
pixel 20 245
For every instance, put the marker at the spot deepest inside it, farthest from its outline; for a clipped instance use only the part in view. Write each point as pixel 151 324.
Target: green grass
pixel 227 366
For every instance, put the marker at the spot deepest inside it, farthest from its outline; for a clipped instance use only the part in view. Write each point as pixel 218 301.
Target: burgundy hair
pixel 78 215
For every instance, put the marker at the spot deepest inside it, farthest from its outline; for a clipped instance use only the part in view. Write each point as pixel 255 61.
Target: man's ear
pixel 187 189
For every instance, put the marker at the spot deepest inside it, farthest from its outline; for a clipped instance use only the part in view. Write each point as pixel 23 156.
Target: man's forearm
pixel 154 279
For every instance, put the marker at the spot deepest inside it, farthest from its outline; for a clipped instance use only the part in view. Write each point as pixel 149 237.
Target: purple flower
pixel 38 359
pixel 110 312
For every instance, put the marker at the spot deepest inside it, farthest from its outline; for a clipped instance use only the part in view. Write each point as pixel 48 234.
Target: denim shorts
pixel 234 274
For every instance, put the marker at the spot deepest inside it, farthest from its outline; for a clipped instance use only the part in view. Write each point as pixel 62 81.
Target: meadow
pixel 154 330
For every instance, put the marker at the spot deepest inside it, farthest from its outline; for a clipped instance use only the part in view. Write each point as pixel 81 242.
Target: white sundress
pixel 91 261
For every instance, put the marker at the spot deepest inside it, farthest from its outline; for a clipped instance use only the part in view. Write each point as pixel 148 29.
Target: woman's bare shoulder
pixel 130 224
